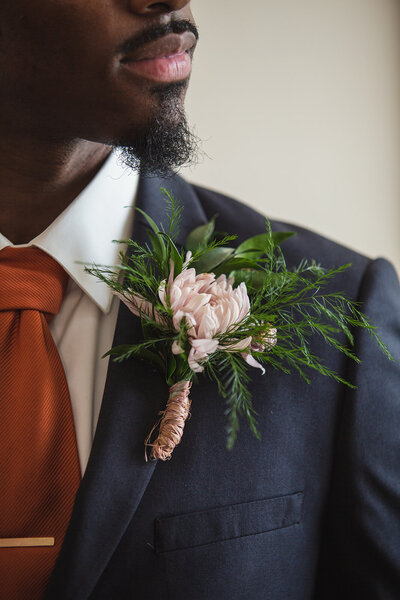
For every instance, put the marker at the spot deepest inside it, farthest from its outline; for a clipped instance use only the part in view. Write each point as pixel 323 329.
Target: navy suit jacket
pixel 310 512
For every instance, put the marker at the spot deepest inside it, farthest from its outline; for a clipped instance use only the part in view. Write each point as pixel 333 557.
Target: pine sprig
pixel 229 371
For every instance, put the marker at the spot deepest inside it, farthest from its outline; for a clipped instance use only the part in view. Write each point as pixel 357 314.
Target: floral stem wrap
pixel 170 426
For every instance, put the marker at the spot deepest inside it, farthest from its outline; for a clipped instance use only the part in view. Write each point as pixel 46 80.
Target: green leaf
pixel 256 246
pixel 253 247
pixel 254 280
pixel 177 258
pixel 199 237
pixel 234 264
pixel 208 261
pixel 154 235
pixel 150 221
pixel 119 350
pixel 173 253
pixel 171 368
pixel 158 246
pixel 279 237
pixel 152 357
pixel 124 352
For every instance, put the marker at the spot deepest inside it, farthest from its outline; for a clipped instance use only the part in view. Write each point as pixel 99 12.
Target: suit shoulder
pixel 238 218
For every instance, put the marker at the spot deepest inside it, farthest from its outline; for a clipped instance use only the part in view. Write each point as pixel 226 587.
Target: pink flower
pixel 210 306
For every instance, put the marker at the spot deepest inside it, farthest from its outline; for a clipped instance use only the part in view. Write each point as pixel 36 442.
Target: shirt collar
pixel 85 230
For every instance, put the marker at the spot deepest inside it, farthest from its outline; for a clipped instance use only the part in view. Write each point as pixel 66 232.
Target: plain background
pixel 298 106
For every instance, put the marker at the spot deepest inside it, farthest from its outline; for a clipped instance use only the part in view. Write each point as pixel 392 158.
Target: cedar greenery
pixel 291 300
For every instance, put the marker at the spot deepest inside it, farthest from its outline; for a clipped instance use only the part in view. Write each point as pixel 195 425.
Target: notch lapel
pixel 117 474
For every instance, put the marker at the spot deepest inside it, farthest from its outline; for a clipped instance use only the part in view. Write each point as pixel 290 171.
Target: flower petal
pixel 176 349
pixel 188 258
pixel 252 362
pixel 204 346
pixel 239 345
pixel 192 361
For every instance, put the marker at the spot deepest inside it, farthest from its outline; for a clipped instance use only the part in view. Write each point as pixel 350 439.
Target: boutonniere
pixel 218 311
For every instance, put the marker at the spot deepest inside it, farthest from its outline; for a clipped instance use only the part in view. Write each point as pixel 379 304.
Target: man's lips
pixel 166 60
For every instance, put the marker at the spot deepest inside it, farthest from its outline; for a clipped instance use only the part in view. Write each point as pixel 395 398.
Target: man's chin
pixel 171 92
pixel 165 143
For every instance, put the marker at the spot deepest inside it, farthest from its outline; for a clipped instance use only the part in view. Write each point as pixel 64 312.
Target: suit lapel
pixel 117 474
pixel 150 200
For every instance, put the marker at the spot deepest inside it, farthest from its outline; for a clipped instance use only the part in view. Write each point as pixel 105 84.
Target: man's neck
pixel 38 181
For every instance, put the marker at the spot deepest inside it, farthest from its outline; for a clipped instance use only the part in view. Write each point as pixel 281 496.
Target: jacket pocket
pixel 229 522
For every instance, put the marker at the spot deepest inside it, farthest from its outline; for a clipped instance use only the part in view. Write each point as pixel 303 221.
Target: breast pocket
pixel 232 552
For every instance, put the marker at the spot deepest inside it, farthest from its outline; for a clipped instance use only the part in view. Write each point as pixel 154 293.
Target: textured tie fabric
pixel 39 467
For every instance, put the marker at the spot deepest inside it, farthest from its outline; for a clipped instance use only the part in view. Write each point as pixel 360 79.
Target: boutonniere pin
pixel 217 311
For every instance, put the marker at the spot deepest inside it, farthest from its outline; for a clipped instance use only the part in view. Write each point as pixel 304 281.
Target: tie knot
pixel 30 280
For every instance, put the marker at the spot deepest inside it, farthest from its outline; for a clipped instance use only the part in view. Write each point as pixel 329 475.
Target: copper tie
pixel 39 468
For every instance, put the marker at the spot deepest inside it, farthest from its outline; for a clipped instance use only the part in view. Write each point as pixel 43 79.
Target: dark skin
pixel 65 99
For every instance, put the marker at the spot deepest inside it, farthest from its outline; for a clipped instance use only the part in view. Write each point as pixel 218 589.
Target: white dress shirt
pixel 83 329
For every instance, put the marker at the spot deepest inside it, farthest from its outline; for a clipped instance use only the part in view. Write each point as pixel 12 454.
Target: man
pixel 310 512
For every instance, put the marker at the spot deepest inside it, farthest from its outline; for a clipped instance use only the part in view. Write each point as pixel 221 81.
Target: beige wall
pixel 298 102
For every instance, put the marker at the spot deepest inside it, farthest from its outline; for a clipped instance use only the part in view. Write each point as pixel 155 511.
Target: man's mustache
pixel 151 34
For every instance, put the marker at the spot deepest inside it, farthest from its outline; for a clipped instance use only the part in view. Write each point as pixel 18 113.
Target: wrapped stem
pixel 172 422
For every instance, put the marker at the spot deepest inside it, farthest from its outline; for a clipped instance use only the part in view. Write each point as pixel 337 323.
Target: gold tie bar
pixel 26 542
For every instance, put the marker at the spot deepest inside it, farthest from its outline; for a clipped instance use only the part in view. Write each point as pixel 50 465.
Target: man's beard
pixel 166 143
